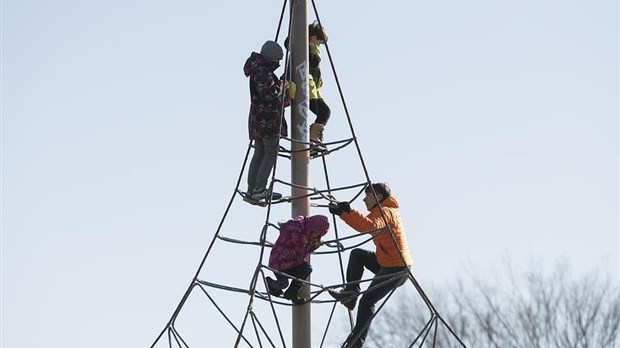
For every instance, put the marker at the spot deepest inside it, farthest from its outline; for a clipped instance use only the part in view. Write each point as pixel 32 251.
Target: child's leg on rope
pixel 281 282
pixel 257 159
pixel 321 110
pixel 302 271
pixel 369 299
pixel 358 260
pixel 270 148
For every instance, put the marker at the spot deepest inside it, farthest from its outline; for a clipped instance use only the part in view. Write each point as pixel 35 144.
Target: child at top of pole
pixel 317 35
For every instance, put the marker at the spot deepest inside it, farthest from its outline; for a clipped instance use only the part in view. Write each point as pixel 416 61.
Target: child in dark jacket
pixel 266 122
pixel 289 255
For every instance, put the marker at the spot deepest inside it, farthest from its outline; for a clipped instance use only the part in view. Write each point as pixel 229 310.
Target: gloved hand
pixel 333 208
pixel 292 90
pixel 284 90
pixel 316 243
pixel 344 206
pixel 339 207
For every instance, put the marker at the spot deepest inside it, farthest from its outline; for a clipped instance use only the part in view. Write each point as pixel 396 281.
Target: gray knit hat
pixel 271 50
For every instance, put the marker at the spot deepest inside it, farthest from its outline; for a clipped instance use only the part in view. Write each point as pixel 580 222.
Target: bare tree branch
pixel 533 309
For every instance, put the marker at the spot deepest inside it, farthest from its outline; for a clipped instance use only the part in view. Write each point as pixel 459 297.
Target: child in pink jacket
pixel 298 238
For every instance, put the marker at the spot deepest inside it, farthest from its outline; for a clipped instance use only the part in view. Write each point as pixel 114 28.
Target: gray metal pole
pixel 299 160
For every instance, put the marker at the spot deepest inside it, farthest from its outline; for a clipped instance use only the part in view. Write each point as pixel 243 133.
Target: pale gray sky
pixel 124 130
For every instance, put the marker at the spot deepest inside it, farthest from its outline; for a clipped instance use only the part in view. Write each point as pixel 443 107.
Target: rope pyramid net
pixel 220 302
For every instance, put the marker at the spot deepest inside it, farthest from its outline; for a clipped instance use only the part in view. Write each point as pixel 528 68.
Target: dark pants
pixel 321 110
pixel 358 260
pixel 302 272
pixel 265 154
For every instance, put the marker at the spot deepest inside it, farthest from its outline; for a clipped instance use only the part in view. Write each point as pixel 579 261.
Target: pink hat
pixel 317 223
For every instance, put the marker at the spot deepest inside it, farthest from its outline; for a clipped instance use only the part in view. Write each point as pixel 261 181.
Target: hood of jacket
pixel 317 223
pixel 390 202
pixel 256 62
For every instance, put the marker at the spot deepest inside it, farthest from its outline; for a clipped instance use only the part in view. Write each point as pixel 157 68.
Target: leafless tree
pixel 533 309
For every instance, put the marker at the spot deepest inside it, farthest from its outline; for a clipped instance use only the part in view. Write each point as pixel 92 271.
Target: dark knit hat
pixel 318 223
pixel 271 50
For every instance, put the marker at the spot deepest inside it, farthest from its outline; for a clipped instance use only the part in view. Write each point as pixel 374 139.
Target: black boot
pixel 272 289
pixel 292 293
pixel 347 297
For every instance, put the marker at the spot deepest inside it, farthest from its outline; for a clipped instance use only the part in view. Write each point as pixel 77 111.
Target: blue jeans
pixel 265 153
pixel 358 260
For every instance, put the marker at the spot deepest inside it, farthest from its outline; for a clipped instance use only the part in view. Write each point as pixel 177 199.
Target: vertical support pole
pixel 299 160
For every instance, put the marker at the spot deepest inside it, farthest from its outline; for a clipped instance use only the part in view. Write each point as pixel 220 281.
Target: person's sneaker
pixel 274 291
pixel 275 196
pixel 247 197
pixel 263 193
pixel 260 193
pixel 347 298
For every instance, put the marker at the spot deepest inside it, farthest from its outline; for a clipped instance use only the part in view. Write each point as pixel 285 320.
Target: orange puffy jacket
pixel 386 249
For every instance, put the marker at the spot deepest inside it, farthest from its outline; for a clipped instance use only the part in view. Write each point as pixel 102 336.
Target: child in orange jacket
pixel 391 256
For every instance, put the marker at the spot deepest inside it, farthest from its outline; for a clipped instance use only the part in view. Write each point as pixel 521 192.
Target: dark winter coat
pixel 266 92
pixel 294 245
